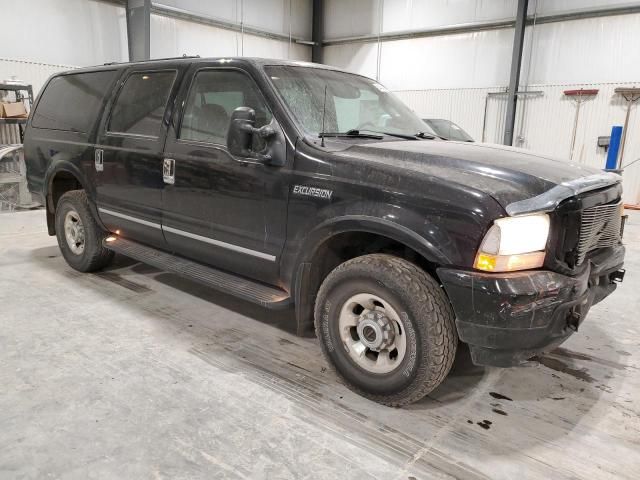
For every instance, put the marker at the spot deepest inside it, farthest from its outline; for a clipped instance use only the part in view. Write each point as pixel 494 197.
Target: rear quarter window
pixel 72 102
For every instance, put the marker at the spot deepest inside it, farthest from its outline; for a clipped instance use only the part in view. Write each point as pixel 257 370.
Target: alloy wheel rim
pixel 372 333
pixel 74 232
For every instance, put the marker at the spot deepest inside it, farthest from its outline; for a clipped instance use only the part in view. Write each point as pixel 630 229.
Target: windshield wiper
pixel 406 136
pixel 427 136
pixel 376 135
pixel 350 133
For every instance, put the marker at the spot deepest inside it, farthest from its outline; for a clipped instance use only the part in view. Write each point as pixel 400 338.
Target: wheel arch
pixel 64 177
pixel 339 240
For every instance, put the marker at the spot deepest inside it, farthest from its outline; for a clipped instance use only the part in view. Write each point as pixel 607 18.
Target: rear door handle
pixel 169 171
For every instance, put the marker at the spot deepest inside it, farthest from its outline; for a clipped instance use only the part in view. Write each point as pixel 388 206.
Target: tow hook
pixel 618 275
pixel 573 320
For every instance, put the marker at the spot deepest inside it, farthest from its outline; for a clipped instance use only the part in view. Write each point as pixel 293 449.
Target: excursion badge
pixel 312 192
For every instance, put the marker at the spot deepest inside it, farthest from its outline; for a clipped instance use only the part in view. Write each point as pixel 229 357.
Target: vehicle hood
pixel 507 174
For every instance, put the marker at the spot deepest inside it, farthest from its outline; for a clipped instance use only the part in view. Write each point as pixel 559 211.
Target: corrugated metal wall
pixel 449 76
pixel 176 37
pixel 68 32
pixel 280 16
pixel 592 50
pixel 544 123
pixel 30 72
pixel 92 32
pixel 33 73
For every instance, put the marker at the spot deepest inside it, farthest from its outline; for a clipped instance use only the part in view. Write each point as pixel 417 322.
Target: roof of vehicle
pixel 256 61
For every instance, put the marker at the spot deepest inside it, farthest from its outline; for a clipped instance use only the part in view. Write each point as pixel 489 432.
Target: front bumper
pixel 509 318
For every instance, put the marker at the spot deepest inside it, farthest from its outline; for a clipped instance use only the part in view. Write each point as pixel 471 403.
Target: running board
pixel 265 295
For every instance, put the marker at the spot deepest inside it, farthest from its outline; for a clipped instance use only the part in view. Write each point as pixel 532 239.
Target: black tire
pixel 94 256
pixel 431 337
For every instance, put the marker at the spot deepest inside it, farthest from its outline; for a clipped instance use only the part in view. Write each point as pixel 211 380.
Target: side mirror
pixel 240 135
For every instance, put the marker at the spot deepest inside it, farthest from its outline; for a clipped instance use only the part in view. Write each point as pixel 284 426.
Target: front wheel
pixel 79 236
pixel 387 328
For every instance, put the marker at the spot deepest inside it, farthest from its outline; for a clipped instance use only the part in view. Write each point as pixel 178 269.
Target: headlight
pixel 514 243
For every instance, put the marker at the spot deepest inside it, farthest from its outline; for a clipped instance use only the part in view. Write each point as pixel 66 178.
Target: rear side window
pixel 72 102
pixel 141 103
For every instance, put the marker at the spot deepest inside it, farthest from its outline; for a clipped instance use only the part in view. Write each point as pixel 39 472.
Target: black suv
pixel 288 183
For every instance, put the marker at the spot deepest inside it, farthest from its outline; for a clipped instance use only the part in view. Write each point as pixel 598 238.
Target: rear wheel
pixel 387 328
pixel 79 236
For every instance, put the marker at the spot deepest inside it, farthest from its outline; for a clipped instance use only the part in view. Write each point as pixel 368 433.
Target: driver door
pixel 221 210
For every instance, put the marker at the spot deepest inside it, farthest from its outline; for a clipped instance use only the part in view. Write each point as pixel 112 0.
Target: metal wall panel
pixel 30 72
pixel 399 15
pixel 480 59
pixel 593 50
pixel 450 76
pixel 272 15
pixel 543 123
pixel 68 32
pixel 347 18
pixel 99 31
pixel 9 134
pixel 175 37
pixel 172 37
pixel 546 7
pixel 356 57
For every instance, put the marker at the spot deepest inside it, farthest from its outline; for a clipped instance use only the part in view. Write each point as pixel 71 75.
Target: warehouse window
pixel 213 97
pixel 141 104
pixel 72 102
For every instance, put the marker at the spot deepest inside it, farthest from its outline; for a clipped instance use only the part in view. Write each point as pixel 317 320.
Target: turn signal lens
pixel 509 263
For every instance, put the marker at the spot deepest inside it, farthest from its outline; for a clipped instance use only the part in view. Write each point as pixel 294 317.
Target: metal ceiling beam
pixel 317 30
pixel 483 26
pixel 514 77
pixel 139 29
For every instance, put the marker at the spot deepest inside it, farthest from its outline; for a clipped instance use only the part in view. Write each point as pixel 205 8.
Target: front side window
pixel 352 102
pixel 213 97
pixel 141 104
pixel 73 102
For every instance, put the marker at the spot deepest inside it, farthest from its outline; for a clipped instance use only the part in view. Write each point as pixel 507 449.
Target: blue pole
pixel 614 147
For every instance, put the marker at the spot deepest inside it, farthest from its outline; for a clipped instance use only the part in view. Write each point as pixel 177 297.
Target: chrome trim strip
pixel 218 243
pixel 549 200
pixel 131 219
pixel 182 233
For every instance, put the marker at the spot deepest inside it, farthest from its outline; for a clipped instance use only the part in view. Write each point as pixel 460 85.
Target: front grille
pixel 599 228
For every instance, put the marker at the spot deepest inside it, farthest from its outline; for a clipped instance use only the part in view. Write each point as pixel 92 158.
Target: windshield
pixel 447 129
pixel 353 103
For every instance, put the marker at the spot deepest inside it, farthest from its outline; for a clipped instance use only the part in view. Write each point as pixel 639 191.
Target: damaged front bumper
pixel 509 318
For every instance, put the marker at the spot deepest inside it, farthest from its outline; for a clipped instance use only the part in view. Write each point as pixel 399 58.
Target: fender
pixel 303 275
pixel 376 225
pixel 71 168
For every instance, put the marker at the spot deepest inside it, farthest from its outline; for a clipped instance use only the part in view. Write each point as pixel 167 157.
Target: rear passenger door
pixel 129 154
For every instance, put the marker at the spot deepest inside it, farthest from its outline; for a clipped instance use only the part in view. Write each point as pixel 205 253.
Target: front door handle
pixel 99 159
pixel 169 171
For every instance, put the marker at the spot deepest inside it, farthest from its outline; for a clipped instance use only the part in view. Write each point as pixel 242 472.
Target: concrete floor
pixel 135 373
